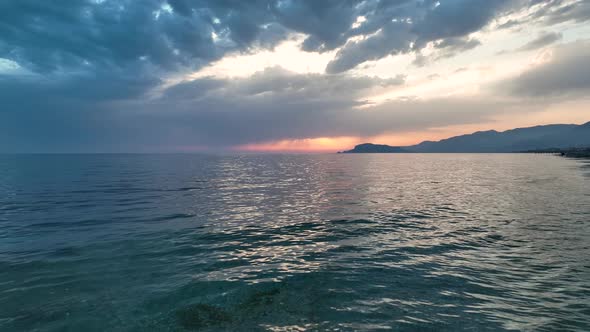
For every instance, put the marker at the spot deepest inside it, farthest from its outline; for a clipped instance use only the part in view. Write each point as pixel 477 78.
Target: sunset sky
pixel 284 75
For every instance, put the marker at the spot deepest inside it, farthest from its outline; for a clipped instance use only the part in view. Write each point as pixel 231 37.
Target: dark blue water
pixel 294 242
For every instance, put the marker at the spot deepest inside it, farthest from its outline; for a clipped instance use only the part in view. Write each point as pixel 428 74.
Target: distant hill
pixel 375 148
pixel 515 140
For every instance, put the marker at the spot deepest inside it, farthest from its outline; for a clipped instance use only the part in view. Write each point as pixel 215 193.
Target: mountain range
pixel 514 140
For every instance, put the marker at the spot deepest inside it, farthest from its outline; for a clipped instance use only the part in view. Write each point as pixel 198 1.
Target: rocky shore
pixel 570 153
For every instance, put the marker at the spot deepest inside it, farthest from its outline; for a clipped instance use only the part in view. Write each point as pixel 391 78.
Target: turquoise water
pixel 294 242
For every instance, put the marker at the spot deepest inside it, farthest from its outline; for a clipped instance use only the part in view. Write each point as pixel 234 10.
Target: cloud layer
pixel 103 75
pixel 88 35
pixel 273 104
pixel 565 73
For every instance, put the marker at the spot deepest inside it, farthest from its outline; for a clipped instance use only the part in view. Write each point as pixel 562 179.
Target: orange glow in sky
pixel 320 144
pixel 578 115
pixel 333 144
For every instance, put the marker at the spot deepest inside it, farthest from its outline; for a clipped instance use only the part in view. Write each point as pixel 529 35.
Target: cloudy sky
pixel 284 75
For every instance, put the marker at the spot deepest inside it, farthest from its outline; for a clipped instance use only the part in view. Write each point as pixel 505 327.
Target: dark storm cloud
pixel 402 27
pixel 566 73
pixel 273 104
pixel 447 23
pixel 326 22
pixel 458 18
pixel 89 35
pixel 42 115
pixel 226 118
pixel 394 38
pixel 90 70
pixel 46 37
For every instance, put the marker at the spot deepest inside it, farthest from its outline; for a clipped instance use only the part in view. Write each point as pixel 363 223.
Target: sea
pixel 321 242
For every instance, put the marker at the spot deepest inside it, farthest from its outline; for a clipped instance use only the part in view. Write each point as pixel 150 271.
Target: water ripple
pixel 294 243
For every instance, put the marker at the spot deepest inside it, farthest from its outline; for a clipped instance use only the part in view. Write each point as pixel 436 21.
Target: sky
pixel 284 75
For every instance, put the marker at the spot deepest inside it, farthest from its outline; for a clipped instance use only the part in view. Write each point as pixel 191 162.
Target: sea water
pixel 405 242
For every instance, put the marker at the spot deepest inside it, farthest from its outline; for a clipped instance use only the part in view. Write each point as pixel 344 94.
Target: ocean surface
pixel 404 242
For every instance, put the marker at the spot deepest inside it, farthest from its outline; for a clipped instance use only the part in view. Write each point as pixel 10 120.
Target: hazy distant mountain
pixel 375 148
pixel 521 139
pixel 515 140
